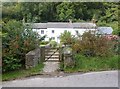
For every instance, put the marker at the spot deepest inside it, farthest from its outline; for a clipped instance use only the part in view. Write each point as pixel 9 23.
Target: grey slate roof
pixel 105 30
pixel 63 25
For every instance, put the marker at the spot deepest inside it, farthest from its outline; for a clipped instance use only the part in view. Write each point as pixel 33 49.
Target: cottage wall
pixel 58 31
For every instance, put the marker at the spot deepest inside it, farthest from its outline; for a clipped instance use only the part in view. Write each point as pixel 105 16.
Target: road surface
pixel 93 79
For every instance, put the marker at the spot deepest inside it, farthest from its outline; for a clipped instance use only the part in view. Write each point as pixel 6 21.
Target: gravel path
pixel 93 79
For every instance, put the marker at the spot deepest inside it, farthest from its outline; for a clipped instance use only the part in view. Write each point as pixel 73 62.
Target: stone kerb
pixel 32 58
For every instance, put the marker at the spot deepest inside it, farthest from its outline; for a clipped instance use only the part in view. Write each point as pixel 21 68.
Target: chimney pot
pixel 70 21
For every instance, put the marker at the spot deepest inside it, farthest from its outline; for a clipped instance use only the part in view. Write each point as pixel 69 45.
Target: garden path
pixel 52 62
pixel 50 67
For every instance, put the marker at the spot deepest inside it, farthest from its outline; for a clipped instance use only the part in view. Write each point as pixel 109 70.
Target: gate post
pixel 60 54
pixel 42 53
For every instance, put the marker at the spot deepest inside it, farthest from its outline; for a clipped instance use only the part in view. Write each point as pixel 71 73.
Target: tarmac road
pixel 93 79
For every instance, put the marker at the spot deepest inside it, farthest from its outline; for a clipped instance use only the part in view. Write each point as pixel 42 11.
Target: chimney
pixel 93 20
pixel 70 21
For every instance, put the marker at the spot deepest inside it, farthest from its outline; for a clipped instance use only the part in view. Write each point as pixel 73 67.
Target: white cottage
pixel 53 30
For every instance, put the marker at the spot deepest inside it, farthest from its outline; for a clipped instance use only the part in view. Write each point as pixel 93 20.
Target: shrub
pixel 10 63
pixel 66 37
pixel 93 45
pixel 116 41
pixel 17 41
pixel 44 43
pixel 53 43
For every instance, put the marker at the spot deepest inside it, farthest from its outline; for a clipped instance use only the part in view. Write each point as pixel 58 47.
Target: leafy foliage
pixel 44 42
pixel 65 11
pixel 17 41
pixel 91 44
pixel 66 37
pixel 53 44
pixel 10 63
pixel 61 11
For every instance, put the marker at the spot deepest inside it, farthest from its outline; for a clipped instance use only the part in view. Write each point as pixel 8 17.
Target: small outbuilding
pixel 105 30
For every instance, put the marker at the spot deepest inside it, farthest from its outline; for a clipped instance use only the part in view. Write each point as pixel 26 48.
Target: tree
pixel 60 11
pixel 65 11
pixel 32 11
pixel 11 10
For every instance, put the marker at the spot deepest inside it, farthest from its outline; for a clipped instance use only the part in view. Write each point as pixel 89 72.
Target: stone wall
pixel 32 58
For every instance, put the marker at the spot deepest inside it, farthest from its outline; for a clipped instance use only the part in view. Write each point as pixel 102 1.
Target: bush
pixel 17 41
pixel 53 44
pixel 10 63
pixel 93 45
pixel 44 43
pixel 66 38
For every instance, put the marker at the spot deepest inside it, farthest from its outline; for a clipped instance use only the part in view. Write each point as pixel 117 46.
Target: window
pixel 58 37
pixel 52 38
pixel 77 31
pixel 42 31
pixel 53 31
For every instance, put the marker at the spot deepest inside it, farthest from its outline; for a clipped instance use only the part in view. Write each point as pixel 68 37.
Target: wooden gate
pixel 51 54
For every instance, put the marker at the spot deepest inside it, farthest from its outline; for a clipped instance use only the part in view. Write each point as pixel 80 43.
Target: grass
pixel 22 73
pixel 87 64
